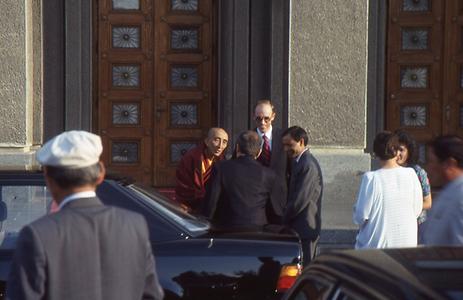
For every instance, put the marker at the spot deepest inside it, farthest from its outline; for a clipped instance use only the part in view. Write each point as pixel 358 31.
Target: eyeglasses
pixel 260 119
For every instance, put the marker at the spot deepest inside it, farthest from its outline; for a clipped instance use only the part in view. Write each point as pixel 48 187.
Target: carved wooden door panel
pixel 453 75
pixel 414 70
pixel 424 58
pixel 155 83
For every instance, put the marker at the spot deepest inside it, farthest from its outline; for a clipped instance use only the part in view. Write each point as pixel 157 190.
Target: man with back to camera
pixel 195 167
pixel 85 250
pixel 444 223
pixel 305 191
pixel 272 155
pixel 241 188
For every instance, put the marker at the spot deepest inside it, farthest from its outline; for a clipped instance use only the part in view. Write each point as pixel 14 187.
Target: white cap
pixel 71 150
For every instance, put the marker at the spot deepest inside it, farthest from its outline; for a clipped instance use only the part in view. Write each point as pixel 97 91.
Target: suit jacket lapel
pixel 296 166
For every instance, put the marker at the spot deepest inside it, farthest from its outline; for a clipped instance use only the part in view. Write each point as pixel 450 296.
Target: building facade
pixel 151 76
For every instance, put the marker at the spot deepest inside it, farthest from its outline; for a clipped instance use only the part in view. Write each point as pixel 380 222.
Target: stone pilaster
pixel 20 83
pixel 328 92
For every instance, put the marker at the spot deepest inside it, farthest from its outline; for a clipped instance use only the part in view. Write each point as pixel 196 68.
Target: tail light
pixel 288 276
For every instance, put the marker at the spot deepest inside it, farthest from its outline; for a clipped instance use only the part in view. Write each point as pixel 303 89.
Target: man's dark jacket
pixel 239 193
pixel 304 199
pixel 278 163
pixel 84 251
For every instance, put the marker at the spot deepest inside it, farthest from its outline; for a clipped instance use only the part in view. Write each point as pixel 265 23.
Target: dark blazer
pixel 305 189
pixel 84 251
pixel 239 193
pixel 279 163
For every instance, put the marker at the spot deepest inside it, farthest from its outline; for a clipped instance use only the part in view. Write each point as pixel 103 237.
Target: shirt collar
pixel 299 156
pixel 268 134
pixel 72 197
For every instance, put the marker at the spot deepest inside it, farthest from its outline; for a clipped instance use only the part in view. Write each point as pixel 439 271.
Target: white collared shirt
pixel 268 134
pixel 72 197
pixel 299 156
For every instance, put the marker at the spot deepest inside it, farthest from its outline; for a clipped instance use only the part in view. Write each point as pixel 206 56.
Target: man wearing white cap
pixel 86 250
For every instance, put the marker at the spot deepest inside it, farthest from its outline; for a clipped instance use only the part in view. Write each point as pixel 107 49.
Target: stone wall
pixel 20 82
pixel 328 82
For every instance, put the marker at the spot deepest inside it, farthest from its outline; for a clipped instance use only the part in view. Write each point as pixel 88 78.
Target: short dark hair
pixel 297 133
pixel 386 145
pixel 264 101
pixel 448 146
pixel 409 142
pixel 66 178
pixel 249 143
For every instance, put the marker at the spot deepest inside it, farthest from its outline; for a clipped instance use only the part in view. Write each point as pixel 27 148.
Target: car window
pixel 194 225
pixel 312 289
pixel 20 205
pixel 444 275
pixel 114 194
pixel 344 293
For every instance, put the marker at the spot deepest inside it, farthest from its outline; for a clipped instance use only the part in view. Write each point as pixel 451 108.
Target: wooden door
pixel 424 58
pixel 453 76
pixel 155 87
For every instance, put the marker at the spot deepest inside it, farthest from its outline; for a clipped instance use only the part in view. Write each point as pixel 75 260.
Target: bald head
pixel 216 131
pixel 216 141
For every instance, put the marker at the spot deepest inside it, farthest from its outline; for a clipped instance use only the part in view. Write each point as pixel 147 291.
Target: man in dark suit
pixel 305 191
pixel 85 250
pixel 272 155
pixel 241 188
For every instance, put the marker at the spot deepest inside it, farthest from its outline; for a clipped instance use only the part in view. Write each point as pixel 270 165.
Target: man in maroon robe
pixel 195 168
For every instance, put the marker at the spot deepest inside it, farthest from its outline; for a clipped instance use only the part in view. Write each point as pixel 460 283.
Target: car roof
pixel 435 267
pixel 410 259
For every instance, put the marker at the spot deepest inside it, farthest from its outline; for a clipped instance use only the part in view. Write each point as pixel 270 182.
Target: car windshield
pixel 194 225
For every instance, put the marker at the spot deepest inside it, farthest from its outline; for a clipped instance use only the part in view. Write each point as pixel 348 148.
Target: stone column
pixel 20 83
pixel 328 96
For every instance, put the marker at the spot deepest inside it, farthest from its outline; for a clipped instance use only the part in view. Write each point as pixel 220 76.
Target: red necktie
pixel 264 157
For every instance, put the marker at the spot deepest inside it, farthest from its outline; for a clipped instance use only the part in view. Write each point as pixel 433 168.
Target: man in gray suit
pixel 85 250
pixel 272 155
pixel 302 213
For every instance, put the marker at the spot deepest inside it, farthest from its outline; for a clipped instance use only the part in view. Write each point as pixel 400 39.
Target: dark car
pixel 414 273
pixel 194 260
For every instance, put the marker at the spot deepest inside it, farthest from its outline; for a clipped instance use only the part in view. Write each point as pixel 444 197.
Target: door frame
pixel 376 73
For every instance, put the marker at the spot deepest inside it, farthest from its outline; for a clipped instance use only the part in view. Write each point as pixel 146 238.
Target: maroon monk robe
pixel 190 188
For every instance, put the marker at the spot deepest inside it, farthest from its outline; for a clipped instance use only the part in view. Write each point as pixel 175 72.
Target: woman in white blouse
pixel 389 200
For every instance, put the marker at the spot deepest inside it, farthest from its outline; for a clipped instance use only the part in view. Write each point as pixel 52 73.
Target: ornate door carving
pixel 424 59
pixel 155 83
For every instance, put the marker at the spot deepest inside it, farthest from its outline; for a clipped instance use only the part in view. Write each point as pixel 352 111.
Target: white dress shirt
pixel 388 205
pixel 72 197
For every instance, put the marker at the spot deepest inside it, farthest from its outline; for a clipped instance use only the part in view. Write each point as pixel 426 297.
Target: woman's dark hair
pixel 408 141
pixel 66 178
pixel 385 145
pixel 448 146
